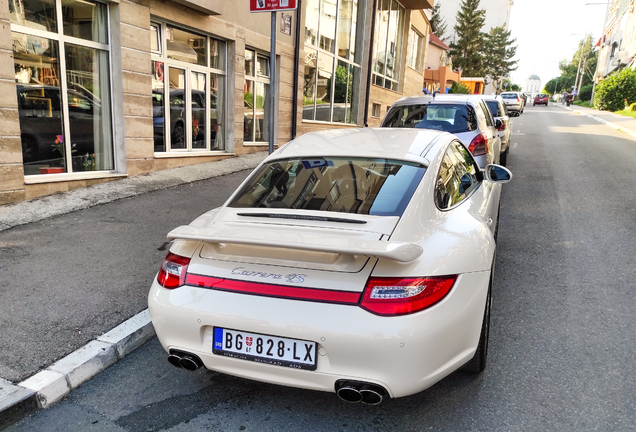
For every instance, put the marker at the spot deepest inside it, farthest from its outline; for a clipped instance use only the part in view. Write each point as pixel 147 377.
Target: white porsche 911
pixel 352 261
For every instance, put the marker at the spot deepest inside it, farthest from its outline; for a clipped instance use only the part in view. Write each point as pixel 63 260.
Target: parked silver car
pixel 466 116
pixel 500 112
pixel 514 102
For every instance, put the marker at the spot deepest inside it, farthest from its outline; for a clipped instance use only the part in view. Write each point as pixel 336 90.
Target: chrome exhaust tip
pixel 190 363
pixel 371 396
pixel 184 360
pixel 349 394
pixel 174 360
pixel 357 391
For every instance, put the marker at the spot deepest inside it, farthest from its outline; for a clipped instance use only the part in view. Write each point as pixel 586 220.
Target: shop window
pixel 414 50
pixel 188 88
pixel 62 73
pixel 387 47
pixel 375 112
pixel 332 61
pixel 256 97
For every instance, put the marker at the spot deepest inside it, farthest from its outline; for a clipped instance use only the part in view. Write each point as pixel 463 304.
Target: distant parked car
pixel 466 116
pixel 513 102
pixel 500 112
pixel 540 99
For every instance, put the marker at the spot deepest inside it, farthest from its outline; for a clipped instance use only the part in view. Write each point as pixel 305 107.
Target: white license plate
pixel 273 350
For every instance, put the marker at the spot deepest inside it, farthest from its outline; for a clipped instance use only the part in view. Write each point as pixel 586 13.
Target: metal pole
pixel 272 84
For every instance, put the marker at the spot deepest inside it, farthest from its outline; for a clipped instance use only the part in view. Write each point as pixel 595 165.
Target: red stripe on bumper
pixel 282 291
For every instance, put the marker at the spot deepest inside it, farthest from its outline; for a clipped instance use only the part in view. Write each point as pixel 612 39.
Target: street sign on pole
pixel 272 5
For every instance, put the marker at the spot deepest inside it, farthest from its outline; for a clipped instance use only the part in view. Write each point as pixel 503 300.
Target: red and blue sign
pixel 272 5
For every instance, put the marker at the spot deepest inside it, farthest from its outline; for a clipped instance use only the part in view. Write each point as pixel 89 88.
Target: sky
pixel 548 31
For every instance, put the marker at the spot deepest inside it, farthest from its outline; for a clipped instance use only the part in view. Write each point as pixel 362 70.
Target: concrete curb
pixel 619 128
pixel 52 384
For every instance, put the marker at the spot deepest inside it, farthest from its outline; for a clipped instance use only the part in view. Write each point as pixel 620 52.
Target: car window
pixel 509 96
pixel 349 185
pixel 487 114
pixel 503 109
pixel 493 105
pixel 453 118
pixel 457 178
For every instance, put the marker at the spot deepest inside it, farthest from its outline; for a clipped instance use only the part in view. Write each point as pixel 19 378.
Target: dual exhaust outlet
pixel 184 360
pixel 356 391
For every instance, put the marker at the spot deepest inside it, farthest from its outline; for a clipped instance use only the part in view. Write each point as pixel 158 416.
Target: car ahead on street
pixel 499 112
pixel 466 116
pixel 513 102
pixel 355 261
pixel 540 99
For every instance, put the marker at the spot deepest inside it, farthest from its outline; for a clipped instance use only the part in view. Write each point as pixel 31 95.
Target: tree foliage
pixel 498 55
pixel 437 22
pixel 467 51
pixel 459 88
pixel 616 91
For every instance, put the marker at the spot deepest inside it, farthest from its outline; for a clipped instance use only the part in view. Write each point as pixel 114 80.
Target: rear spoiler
pixel 397 251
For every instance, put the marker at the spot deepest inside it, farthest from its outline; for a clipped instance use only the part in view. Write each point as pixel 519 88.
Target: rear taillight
pixel 479 145
pixel 518 100
pixel 401 296
pixel 173 271
pixel 502 127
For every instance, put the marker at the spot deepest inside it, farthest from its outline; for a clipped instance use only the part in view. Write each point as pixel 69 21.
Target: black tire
pixel 503 157
pixel 478 363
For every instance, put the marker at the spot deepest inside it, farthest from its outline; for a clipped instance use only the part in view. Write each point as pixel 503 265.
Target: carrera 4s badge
pixel 291 278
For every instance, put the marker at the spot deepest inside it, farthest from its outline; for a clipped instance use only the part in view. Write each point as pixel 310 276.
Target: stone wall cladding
pixel 11 171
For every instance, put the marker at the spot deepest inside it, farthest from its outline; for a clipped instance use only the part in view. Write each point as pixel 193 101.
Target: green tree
pixel 437 22
pixel 467 52
pixel 459 88
pixel 616 91
pixel 498 54
pixel 341 89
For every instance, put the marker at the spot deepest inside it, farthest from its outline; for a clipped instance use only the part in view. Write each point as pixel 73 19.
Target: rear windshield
pixel 348 185
pixel 494 108
pixel 453 118
pixel 541 95
pixel 509 96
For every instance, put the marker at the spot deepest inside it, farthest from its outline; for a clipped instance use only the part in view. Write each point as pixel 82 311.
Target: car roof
pixel 440 98
pixel 381 143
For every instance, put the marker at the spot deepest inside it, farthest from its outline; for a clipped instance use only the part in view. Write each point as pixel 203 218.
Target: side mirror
pixel 497 173
pixel 498 123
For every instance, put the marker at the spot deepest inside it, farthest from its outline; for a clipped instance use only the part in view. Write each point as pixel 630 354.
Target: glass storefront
pixel 62 72
pixel 188 88
pixel 332 61
pixel 256 98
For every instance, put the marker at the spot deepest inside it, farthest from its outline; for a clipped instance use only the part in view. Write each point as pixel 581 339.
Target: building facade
pixel 94 91
pixel 617 45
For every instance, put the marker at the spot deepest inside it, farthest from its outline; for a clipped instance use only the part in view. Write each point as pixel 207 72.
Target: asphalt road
pixel 562 338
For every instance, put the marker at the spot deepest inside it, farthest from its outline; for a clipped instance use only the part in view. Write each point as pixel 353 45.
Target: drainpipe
pixel 294 124
pixel 366 101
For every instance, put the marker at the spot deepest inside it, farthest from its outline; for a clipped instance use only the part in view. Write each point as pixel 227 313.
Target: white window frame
pixel 336 59
pixel 398 59
pixel 188 68
pixel 62 39
pixel 415 61
pixel 261 79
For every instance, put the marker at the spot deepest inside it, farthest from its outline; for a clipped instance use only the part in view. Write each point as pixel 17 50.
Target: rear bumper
pixel 404 354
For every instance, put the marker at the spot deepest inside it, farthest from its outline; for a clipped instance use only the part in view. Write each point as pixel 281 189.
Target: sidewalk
pixel 76 269
pixel 616 121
